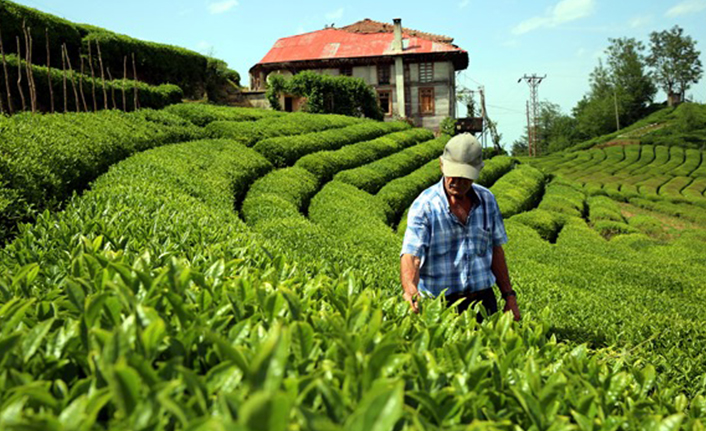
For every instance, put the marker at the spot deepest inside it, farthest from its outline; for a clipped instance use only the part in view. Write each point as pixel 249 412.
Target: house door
pixel 288 104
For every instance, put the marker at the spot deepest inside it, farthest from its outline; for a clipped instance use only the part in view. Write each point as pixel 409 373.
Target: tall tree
pixel 620 93
pixel 675 62
pixel 631 83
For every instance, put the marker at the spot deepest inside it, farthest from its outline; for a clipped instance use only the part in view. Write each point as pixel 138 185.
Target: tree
pixel 622 88
pixel 326 94
pixel 675 62
pixel 555 131
pixel 632 85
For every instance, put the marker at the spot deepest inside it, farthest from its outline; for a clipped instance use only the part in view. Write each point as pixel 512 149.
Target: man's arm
pixel 409 276
pixel 502 278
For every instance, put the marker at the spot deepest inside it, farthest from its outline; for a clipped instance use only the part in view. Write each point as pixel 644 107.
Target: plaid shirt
pixel 453 256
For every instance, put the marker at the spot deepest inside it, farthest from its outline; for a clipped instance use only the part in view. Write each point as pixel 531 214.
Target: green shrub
pixel 282 193
pixel 45 158
pixel 563 197
pixel 373 176
pixel 326 94
pixel 546 223
pixel 149 96
pixel 156 63
pixel 286 150
pixel 202 114
pixel 356 217
pixel 646 224
pixel 519 190
pixel 325 164
pixel 60 31
pixel 274 126
pixel 604 208
pixel 609 228
pixel 494 169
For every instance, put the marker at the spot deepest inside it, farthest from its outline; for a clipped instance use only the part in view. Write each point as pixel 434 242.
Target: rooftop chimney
pixel 397 43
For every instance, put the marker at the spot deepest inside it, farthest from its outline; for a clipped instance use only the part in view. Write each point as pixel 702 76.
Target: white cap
pixel 463 157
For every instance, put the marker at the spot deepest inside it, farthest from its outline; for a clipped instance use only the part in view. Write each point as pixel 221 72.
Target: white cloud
pixel 222 6
pixel 640 21
pixel 463 3
pixel 686 7
pixel 337 14
pixel 581 52
pixel 564 11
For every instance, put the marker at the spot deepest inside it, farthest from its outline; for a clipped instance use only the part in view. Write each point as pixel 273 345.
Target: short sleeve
pixel 418 233
pixel 498 228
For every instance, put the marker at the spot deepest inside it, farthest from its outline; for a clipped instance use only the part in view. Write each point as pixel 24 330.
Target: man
pixel 454 236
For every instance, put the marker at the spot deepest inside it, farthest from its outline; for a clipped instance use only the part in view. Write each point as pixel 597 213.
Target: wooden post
pixel 134 74
pixel 51 89
pixel 124 81
pixel 73 77
pixel 93 77
pixel 80 84
pixel 28 68
pixel 112 87
pixel 63 71
pixel 19 73
pixel 10 107
pixel 100 61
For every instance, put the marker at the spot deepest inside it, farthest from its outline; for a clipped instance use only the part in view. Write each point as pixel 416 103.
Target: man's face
pixel 457 186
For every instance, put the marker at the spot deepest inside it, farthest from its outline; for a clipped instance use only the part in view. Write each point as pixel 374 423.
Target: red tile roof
pixel 334 43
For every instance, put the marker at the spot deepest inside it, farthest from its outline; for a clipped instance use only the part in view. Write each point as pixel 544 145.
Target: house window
pixel 385 99
pixel 426 72
pixel 383 74
pixel 346 71
pixel 426 101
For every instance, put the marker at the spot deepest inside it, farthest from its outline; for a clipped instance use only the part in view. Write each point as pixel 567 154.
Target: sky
pixel 505 39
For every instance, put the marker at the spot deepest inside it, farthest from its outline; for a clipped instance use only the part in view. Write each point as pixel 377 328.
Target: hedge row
pixel 325 164
pixel 45 158
pixel 564 197
pixel 149 96
pixel 494 169
pixel 686 211
pixel 563 201
pixel 156 63
pixel 519 190
pixel 548 224
pixel 60 32
pixel 286 150
pixel 357 218
pixel 281 194
pixel 373 176
pixel 274 126
pixel 604 208
pixel 399 193
pixel 203 114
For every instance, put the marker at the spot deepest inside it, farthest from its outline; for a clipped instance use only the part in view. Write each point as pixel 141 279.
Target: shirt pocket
pixel 481 241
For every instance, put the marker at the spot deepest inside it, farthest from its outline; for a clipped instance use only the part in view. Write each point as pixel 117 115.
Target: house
pixel 414 73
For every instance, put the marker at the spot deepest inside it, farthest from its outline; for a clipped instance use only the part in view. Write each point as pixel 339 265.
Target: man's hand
pixel 412 296
pixel 409 276
pixel 511 304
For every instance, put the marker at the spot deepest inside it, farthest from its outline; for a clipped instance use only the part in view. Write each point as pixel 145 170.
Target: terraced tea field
pixel 218 268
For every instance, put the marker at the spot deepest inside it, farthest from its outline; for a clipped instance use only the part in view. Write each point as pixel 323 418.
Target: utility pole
pixel 529 130
pixel 533 81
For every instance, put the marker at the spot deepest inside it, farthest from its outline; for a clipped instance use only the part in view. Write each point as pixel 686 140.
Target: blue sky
pixel 505 38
